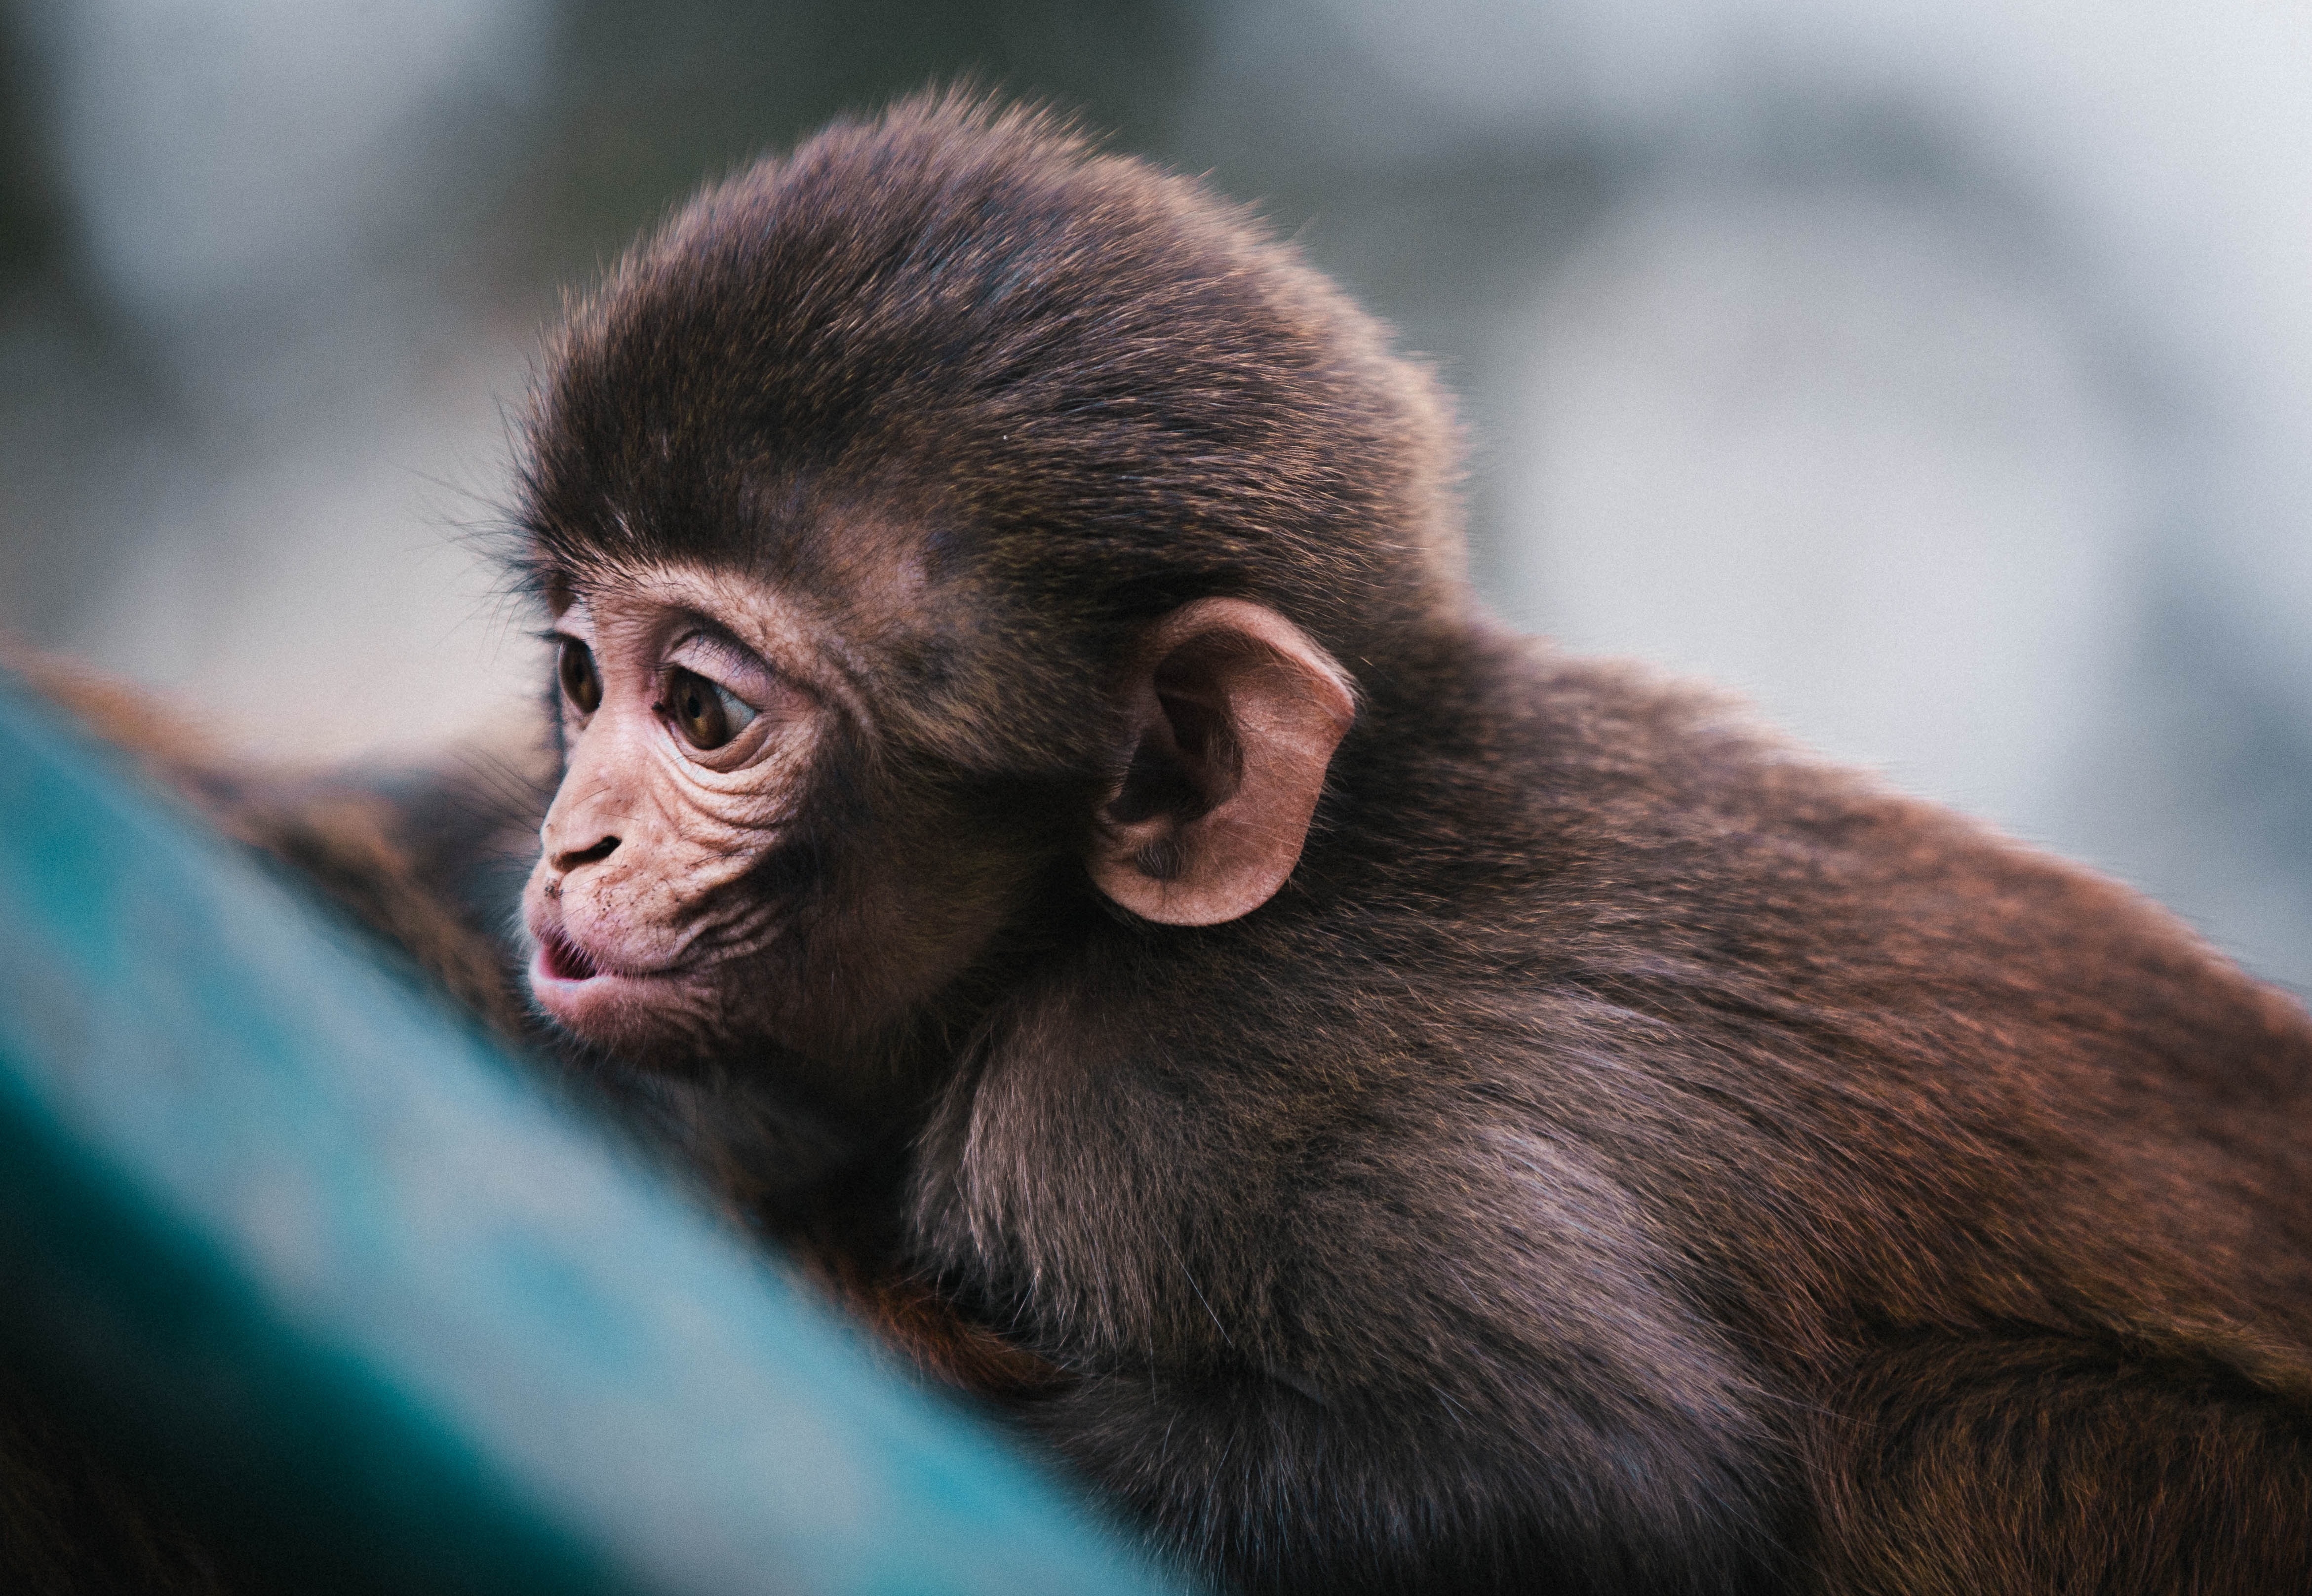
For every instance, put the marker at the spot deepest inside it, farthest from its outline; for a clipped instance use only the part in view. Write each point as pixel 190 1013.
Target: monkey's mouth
pixel 565 961
pixel 592 995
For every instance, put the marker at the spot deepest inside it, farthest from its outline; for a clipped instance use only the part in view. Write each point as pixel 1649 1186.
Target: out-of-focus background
pixel 1940 376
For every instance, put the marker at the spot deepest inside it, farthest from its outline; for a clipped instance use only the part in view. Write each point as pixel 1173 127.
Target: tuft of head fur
pixel 962 342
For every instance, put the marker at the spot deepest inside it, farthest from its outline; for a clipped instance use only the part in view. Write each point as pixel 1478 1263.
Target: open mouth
pixel 595 998
pixel 565 960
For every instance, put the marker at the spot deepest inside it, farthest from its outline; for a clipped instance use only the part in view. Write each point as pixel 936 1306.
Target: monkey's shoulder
pixel 1667 811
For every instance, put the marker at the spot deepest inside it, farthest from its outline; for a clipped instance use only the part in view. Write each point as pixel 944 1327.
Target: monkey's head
pixel 946 529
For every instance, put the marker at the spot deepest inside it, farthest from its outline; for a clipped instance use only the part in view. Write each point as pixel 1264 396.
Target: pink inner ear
pixel 1239 712
pixel 1206 742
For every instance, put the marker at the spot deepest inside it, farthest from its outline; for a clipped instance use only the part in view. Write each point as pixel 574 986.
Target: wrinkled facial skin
pixel 705 874
pixel 635 903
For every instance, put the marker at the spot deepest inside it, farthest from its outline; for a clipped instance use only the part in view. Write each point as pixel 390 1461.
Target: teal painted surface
pixel 265 1205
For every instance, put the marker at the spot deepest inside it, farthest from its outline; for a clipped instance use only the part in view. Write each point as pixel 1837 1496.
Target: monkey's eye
pixel 708 714
pixel 579 684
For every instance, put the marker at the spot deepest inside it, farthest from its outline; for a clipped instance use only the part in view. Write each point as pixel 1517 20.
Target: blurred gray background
pixel 1939 376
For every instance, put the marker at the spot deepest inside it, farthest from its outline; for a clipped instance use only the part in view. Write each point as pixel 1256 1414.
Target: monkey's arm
pixel 1439 1365
pixel 1401 1490
pixel 1434 1445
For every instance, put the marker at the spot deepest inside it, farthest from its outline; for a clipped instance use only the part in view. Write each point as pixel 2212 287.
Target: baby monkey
pixel 1426 1113
pixel 1396 1108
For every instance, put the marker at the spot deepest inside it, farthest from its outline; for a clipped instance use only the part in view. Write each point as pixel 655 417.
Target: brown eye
pixel 580 685
pixel 707 715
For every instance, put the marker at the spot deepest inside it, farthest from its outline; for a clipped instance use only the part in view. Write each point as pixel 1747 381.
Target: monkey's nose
pixel 572 859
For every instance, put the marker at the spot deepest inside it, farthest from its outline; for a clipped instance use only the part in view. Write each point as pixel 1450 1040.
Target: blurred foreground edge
pixel 309 1260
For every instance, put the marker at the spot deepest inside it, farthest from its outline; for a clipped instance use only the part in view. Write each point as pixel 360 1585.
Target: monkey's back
pixel 1925 1076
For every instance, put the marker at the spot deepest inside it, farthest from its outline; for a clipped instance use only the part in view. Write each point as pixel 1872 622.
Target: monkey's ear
pixel 1234 714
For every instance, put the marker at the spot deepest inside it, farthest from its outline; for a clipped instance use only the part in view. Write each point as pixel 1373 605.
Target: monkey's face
pixel 696 882
pixel 739 855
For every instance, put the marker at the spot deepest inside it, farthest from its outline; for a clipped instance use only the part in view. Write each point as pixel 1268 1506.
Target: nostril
pixel 587 855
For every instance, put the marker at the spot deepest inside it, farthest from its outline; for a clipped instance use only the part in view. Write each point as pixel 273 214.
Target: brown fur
pixel 1629 1155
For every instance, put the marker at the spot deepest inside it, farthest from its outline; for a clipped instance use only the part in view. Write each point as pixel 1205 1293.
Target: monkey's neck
pixel 832 1198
